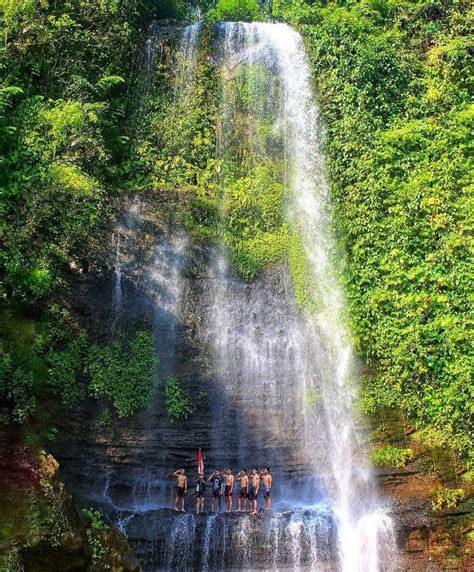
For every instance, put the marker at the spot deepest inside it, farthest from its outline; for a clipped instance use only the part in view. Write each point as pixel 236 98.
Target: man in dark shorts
pixel 217 483
pixel 200 493
pixel 181 488
pixel 244 490
pixel 267 487
pixel 253 495
pixel 229 488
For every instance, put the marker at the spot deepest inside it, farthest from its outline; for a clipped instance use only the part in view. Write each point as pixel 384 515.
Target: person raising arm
pixel 216 479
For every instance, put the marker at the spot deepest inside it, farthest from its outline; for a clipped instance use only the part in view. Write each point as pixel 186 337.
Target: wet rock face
pixel 165 539
pixel 428 541
pixel 153 276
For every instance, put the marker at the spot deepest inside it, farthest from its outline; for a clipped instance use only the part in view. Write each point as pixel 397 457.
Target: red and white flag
pixel 200 462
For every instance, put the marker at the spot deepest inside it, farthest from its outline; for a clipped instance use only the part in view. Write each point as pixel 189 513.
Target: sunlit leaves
pixel 394 81
pixel 125 375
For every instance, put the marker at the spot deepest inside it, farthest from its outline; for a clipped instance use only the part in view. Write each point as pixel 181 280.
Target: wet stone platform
pixel 165 539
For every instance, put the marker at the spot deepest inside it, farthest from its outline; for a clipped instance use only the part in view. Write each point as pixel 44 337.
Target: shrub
pixel 236 10
pixel 389 456
pixel 442 497
pixel 125 375
pixel 97 520
pixel 178 406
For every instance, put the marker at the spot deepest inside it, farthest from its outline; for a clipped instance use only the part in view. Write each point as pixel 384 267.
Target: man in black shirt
pixel 217 482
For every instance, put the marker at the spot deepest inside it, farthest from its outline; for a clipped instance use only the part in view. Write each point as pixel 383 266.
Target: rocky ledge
pixel 428 541
pixel 165 539
pixel 40 528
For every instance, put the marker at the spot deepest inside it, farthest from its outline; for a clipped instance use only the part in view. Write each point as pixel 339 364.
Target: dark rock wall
pixel 151 275
pixel 168 285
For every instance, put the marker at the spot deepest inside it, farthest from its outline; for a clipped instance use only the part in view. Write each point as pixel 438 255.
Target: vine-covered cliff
pixel 90 116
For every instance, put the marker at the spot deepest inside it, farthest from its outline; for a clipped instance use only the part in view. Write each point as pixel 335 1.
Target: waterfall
pixel 187 58
pixel 264 353
pixel 279 375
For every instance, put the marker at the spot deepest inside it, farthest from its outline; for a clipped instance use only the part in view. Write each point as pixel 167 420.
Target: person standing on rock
pixel 217 481
pixel 267 487
pixel 200 493
pixel 253 496
pixel 229 488
pixel 181 488
pixel 244 490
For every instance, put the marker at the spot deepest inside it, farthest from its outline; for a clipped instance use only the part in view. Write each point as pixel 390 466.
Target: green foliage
pixel 444 498
pixel 99 550
pixel 431 437
pixel 178 405
pixel 236 11
pixel 468 476
pixel 304 282
pixel 389 456
pixel 96 518
pixel 105 417
pixel 395 81
pixel 53 357
pixel 62 131
pixel 252 212
pixel 66 370
pixel 126 376
pixel 16 386
pixel 64 152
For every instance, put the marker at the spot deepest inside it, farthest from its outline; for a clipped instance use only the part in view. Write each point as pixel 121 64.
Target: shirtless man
pixel 244 490
pixel 253 496
pixel 200 493
pixel 267 487
pixel 229 487
pixel 217 480
pixel 181 488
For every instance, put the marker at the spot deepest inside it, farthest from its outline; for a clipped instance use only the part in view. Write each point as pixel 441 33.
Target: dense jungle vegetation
pixel 394 82
pixel 395 85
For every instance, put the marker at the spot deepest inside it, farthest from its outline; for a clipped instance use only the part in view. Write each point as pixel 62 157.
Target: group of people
pixel 222 487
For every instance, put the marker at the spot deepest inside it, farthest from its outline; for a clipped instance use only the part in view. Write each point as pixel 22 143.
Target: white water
pixel 187 58
pixel 286 542
pixel 265 354
pixel 320 349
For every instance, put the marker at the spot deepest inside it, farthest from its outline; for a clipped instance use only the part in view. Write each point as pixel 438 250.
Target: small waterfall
pixel 256 346
pixel 313 352
pixel 286 541
pixel 180 546
pixel 117 292
pixel 126 227
pixel 208 541
pixel 187 60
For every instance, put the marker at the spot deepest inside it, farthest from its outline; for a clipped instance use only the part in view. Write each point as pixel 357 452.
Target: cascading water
pixel 187 57
pixel 280 379
pixel 253 359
